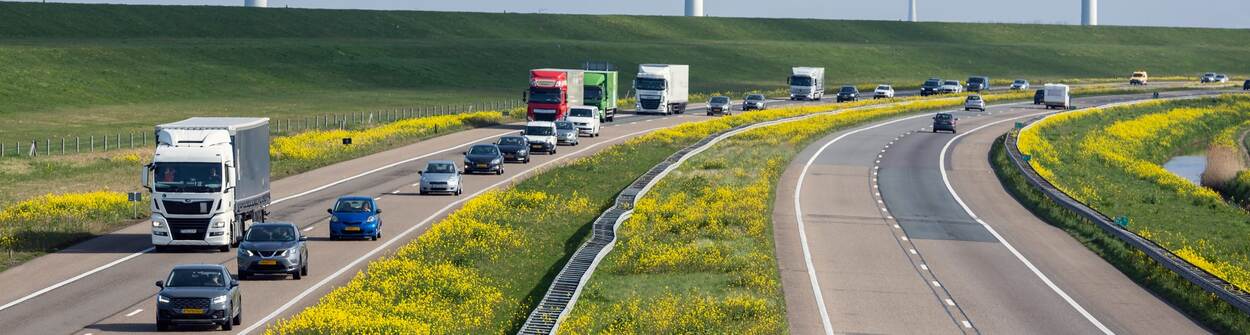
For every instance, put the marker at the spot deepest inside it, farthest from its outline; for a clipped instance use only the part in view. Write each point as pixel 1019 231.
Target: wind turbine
pixel 911 10
pixel 1089 12
pixel 694 7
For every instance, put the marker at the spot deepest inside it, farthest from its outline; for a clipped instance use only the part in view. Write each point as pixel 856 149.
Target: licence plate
pixel 268 262
pixel 536 145
pixel 192 311
pixel 188 231
pixel 352 229
pixel 509 156
pixel 481 165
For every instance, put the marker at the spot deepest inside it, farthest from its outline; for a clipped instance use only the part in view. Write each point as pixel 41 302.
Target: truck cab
pixel 209 178
pixel 662 88
pixel 551 92
pixel 1139 78
pixel 601 92
pixel 807 83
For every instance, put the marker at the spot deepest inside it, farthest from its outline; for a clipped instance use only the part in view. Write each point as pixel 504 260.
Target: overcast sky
pixel 1190 13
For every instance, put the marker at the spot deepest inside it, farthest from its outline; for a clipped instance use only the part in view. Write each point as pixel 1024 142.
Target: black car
pixel 1039 96
pixel 273 248
pixel 1246 86
pixel 483 158
pixel 944 121
pixel 931 87
pixel 978 83
pixel 848 93
pixel 514 148
pixel 754 101
pixel 199 294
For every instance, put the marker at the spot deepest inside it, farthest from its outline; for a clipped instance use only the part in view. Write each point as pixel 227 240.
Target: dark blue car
pixel 355 217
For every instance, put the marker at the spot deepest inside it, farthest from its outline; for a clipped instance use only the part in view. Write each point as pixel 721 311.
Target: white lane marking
pixel 378 198
pixel 133 313
pixel 950 302
pixel 310 228
pixel 401 235
pixel 967 324
pixel 912 251
pixel 946 180
pixel 75 278
pixel 904 237
pixel 936 283
pixel 924 267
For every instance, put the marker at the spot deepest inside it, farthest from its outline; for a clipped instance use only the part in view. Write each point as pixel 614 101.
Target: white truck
pixel 662 88
pixel 209 179
pixel 807 83
pixel 1056 96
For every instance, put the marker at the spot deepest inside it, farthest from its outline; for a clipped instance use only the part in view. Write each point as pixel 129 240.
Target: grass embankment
pixel 92 69
pixel 480 263
pixel 94 181
pixel 1206 308
pixel 1110 160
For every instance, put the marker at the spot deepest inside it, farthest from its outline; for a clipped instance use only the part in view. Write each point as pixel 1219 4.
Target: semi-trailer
pixel 552 92
pixel 662 88
pixel 208 180
pixel 807 83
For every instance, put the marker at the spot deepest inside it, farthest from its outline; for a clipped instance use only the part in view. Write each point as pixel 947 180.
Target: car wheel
pixel 499 172
pixel 296 275
pixel 228 325
pixel 420 192
pixel 553 150
pixel 934 130
pixel 161 326
pixel 303 270
pixel 457 191
pixel 238 318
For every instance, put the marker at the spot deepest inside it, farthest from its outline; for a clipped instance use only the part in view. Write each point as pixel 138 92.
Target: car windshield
pixel 951 82
pixel 800 81
pixel 512 141
pixel 271 234
pixel 976 80
pixel 932 83
pixel 649 84
pixel 848 89
pixel 188 177
pixel 564 125
pixel 483 150
pixel 755 97
pixel 720 100
pixel 592 95
pixel 196 278
pixel 581 112
pixel 883 87
pixel 1139 75
pixel 538 131
pixel 441 167
pixel 943 117
pixel 545 95
pixel 353 206
pixel 974 97
pixel 1019 82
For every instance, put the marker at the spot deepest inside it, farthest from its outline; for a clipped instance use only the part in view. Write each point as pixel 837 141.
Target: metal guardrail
pixel 567 286
pixel 1222 289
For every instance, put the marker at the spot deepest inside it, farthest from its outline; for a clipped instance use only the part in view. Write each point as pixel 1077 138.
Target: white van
pixel 1057 96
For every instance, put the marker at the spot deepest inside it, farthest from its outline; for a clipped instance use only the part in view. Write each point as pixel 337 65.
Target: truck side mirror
pixel 144 179
pixel 160 283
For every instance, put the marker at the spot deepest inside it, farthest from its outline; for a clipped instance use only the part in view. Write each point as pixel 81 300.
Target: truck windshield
pixel 188 177
pixel 800 81
pixel 196 278
pixel 538 131
pixel 592 95
pixel 650 84
pixel 545 95
pixel 271 234
pixel 581 112
pixel 976 80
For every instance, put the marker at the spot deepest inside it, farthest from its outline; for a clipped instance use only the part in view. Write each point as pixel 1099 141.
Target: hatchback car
pixel 1039 97
pixel 566 133
pixel 848 93
pixel 273 248
pixel 1020 84
pixel 355 217
pixel 441 177
pixel 974 102
pixel 1246 86
pixel 485 158
pixel 754 102
pixel 883 91
pixel 944 122
pixel 199 294
pixel 514 148
pixel 719 105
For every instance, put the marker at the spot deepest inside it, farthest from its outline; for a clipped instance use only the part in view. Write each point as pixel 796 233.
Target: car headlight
pixel 162 298
pixel 468 162
pixel 372 218
pixel 494 161
pixel 334 219
pixel 522 152
pixel 221 299
pixel 281 252
pixel 245 252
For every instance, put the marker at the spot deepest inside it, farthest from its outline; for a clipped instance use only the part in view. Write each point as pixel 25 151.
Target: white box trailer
pixel 662 88
pixel 807 83
pixel 1057 96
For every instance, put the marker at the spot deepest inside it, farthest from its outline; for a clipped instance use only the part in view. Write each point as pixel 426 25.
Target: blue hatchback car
pixel 355 217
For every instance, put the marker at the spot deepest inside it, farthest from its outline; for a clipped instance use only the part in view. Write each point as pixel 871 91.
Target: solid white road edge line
pixel 946 180
pixel 75 278
pixel 427 220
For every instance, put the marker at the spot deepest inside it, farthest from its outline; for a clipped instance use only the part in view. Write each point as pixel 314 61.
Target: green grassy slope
pixel 77 69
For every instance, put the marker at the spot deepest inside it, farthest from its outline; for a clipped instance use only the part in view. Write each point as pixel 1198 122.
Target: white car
pixel 586 119
pixel 952 86
pixel 541 135
pixel 1221 78
pixel 1020 85
pixel 883 91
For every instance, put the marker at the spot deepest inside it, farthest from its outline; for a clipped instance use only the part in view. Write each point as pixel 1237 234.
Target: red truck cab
pixel 551 93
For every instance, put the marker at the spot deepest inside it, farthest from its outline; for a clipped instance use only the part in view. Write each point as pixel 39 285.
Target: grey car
pixel 199 294
pixel 755 101
pixel 483 158
pixel 944 121
pixel 273 248
pixel 440 177
pixel 566 133
pixel 719 105
pixel 514 148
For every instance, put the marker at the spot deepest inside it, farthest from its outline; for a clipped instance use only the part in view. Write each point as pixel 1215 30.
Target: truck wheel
pixel 160 248
pixel 224 248
pixel 234 236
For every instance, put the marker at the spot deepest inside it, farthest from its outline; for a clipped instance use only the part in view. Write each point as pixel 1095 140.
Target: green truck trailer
pixel 601 91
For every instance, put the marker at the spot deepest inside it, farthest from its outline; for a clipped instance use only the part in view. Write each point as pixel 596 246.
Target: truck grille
pixel 799 90
pixel 181 303
pixel 650 103
pixel 177 226
pixel 184 208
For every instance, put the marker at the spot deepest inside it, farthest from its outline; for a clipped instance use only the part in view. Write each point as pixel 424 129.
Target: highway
pixel 106 284
pixel 890 228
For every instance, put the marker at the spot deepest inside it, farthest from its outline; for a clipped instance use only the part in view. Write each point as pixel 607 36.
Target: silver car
pixel 439 177
pixel 566 133
pixel 974 102
pixel 273 248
